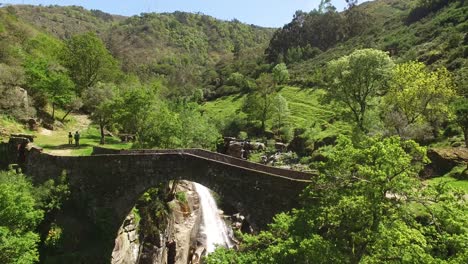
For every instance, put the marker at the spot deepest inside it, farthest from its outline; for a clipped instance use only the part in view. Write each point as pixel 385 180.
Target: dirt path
pixel 82 123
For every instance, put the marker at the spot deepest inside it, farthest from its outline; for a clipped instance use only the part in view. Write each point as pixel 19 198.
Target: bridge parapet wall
pixel 217 157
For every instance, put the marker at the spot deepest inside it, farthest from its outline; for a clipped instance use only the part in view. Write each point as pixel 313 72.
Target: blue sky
pixel 271 13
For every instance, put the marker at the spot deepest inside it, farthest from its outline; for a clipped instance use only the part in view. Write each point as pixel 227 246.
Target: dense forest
pixel 358 95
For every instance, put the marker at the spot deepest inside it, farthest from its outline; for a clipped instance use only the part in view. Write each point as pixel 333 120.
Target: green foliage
pixel 319 30
pixel 100 100
pixel 176 126
pixel 461 113
pixel 88 61
pixel 181 197
pixel 418 95
pixel 49 82
pixel 280 73
pixel 356 79
pixel 368 206
pixel 280 115
pixel 19 217
pixel 53 193
pixel 258 104
pixel 153 212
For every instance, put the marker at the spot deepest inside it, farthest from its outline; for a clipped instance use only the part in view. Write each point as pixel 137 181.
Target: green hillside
pixel 191 51
pixel 437 39
pixel 304 104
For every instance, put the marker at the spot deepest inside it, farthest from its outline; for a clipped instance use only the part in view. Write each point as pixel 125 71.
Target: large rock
pixel 236 149
pixel 281 147
pixel 443 160
pixel 126 247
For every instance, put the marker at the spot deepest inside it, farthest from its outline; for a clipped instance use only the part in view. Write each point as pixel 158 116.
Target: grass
pixel 9 126
pixel 57 142
pixel 89 138
pixel 304 105
pixel 450 180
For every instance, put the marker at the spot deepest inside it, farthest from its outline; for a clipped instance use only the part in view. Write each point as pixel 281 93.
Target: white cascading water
pixel 212 225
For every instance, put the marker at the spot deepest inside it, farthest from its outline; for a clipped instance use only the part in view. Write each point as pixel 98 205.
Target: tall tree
pixel 19 217
pixel 280 74
pixel 100 100
pixel 420 95
pixel 357 78
pixel 461 113
pixel 280 113
pixel 88 61
pixel 49 81
pixel 258 104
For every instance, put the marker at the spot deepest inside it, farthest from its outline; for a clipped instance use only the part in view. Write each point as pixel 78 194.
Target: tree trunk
pixel 103 137
pixel 65 116
pixel 53 111
pixel 465 132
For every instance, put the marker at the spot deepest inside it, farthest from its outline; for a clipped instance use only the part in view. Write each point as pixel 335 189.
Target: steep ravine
pixel 188 234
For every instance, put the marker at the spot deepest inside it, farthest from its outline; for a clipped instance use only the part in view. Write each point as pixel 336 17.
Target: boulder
pixel 127 137
pixel 33 124
pixel 236 149
pixel 255 146
pixel 48 126
pixel 443 160
pixel 281 147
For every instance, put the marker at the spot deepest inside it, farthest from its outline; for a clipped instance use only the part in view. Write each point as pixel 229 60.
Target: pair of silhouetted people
pixel 76 137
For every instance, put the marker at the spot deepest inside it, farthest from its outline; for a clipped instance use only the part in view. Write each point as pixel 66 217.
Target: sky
pixel 267 13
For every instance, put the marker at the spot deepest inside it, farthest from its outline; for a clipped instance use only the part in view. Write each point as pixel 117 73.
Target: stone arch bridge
pixel 106 185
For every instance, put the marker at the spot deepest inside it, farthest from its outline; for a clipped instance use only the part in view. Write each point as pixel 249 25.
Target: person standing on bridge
pixel 77 139
pixel 70 138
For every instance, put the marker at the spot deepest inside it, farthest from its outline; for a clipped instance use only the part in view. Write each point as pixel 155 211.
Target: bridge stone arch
pixel 106 186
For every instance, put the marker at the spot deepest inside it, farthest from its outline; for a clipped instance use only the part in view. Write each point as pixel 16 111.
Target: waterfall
pixel 212 226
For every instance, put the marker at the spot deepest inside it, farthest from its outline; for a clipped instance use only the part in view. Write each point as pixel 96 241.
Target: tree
pixel 461 113
pixel 280 113
pixel 280 73
pixel 88 61
pixel 100 101
pixel 257 105
pixel 49 81
pixel 420 95
pixel 74 104
pixel 19 217
pixel 356 79
pixel 367 206
pixel 237 79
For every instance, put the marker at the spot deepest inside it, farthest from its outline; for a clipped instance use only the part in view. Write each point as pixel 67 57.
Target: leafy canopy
pixel 368 206
pixel 356 79
pixel 418 94
pixel 88 61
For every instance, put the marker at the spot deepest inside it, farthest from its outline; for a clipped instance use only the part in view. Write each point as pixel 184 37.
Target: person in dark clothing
pixel 70 138
pixel 77 138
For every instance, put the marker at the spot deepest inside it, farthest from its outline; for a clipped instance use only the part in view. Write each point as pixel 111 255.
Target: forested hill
pixel 190 44
pixel 64 22
pixel 432 32
pixel 190 50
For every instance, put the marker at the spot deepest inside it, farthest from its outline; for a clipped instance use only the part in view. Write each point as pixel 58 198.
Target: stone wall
pixel 104 188
pixel 214 156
